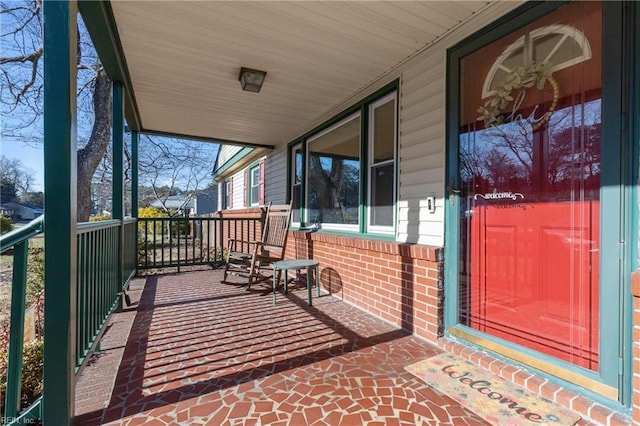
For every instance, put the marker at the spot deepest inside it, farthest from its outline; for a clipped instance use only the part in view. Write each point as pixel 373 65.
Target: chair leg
pixel 252 270
pixel 226 264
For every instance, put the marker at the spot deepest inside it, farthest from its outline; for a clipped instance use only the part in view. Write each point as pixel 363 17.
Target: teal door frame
pixel 617 196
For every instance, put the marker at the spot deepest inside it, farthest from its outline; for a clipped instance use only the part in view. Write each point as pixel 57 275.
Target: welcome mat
pixel 491 397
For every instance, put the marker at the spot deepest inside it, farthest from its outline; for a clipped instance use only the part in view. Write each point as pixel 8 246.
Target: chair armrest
pixel 233 242
pixel 244 241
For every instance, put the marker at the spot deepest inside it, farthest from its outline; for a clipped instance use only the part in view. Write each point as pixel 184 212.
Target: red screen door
pixel 530 170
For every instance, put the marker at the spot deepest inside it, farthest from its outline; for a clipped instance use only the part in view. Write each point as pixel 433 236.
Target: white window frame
pixel 377 229
pixel 294 148
pixel 254 182
pixel 328 225
pixel 226 194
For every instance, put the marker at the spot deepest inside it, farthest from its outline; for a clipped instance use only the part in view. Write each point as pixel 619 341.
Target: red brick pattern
pixel 591 411
pixel 203 352
pixel 393 281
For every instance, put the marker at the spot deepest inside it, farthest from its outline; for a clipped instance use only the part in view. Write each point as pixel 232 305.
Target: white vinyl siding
pixel 421 125
pixel 238 190
pixel 226 153
pixel 421 152
pixel 276 176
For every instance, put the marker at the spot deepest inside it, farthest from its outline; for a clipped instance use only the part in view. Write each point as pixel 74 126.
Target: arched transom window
pixel 560 46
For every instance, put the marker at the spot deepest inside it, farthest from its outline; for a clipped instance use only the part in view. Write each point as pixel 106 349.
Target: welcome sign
pixel 491 397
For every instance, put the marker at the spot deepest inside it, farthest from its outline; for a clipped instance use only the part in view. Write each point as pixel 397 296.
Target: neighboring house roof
pixel 14 206
pixel 202 202
pixel 174 202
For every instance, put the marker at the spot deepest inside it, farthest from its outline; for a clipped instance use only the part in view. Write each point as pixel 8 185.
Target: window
pixel 254 186
pixel 226 195
pixel 343 177
pixel 333 175
pixel 560 46
pixel 296 182
pixel 382 147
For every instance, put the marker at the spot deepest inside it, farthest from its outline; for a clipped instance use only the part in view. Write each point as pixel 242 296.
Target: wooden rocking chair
pixel 271 248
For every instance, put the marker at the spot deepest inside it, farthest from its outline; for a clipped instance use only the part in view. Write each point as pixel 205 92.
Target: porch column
pixel 117 188
pixel 134 174
pixel 60 247
pixel 117 209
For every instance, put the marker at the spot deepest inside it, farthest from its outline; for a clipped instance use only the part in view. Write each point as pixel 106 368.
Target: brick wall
pixel 400 283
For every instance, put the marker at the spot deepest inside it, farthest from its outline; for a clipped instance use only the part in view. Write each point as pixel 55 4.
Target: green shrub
pixel 5 225
pixel 100 217
pixel 152 213
pixel 179 227
pixel 32 362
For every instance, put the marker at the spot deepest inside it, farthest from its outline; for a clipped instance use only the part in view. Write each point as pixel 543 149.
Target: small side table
pixel 296 265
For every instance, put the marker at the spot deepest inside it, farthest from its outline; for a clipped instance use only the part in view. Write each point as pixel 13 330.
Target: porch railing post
pixel 134 173
pixel 118 179
pixel 118 151
pixel 134 187
pixel 60 172
pixel 16 330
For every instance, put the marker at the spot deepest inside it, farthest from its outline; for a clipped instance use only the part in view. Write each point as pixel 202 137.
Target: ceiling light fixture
pixel 251 80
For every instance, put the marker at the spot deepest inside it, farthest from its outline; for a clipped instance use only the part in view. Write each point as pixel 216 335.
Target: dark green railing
pixel 129 249
pixel 18 240
pixel 178 241
pixel 106 260
pixel 103 271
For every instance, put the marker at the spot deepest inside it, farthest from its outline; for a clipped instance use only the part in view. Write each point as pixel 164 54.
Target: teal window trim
pixel 364 236
pixel 361 108
pixel 615 337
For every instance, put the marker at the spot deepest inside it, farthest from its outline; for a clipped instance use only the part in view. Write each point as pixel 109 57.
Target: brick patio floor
pixel 195 351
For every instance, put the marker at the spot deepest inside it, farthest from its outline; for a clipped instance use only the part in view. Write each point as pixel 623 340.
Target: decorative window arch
pixel 559 45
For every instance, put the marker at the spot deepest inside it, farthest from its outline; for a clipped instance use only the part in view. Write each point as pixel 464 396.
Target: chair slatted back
pixel 276 227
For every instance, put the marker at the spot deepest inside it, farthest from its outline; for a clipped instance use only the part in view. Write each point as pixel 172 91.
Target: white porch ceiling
pixel 184 57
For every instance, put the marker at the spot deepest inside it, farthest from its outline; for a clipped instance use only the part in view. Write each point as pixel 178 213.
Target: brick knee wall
pixel 398 282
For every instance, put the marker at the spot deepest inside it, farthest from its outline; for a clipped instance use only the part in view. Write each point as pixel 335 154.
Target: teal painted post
pixel 134 174
pixel 134 188
pixel 16 333
pixel 118 151
pixel 118 181
pixel 60 173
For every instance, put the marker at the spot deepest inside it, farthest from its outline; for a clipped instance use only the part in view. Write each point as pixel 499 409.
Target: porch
pixel 198 351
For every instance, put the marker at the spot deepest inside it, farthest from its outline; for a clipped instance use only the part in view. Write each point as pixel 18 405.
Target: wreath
pixel 534 74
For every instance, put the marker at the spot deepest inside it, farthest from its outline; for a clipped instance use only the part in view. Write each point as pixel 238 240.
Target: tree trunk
pixel 90 156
